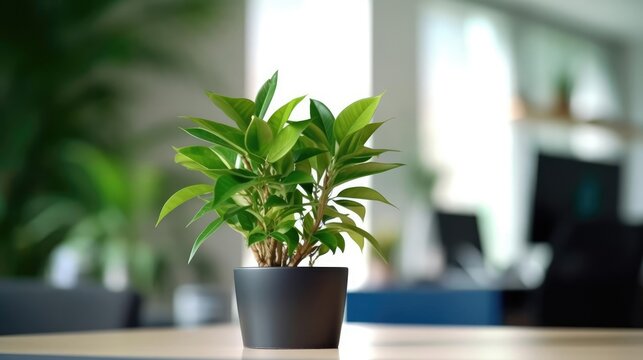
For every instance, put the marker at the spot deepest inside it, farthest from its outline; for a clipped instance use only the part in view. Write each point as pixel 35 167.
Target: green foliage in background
pixel 276 180
pixel 66 174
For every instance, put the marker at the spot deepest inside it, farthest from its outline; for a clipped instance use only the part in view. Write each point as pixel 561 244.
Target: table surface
pixel 358 342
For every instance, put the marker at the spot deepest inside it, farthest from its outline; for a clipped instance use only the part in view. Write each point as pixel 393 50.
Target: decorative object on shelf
pixel 276 183
pixel 564 89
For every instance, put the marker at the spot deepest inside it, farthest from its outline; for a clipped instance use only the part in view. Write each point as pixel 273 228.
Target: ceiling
pixel 617 19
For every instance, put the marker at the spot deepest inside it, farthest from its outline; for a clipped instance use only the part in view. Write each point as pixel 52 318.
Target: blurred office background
pixel 521 124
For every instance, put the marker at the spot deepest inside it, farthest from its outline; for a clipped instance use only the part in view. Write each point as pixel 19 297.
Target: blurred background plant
pixel 71 195
pixel 422 179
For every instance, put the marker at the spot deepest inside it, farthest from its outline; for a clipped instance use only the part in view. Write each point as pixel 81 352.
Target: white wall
pixel 634 63
pixel 395 71
pixel 634 173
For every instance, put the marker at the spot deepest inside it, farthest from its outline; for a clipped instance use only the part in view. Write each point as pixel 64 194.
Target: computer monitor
pixel 569 190
pixel 459 235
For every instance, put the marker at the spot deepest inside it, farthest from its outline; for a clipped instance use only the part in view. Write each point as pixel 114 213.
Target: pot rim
pixel 288 268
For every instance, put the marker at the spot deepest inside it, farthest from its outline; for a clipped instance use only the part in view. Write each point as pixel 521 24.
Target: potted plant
pixel 276 183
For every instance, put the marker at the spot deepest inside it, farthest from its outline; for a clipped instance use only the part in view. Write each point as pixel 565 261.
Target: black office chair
pixel 35 307
pixel 593 279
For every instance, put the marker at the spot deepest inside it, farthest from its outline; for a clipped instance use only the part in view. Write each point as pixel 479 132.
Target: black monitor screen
pixel 572 190
pixel 457 231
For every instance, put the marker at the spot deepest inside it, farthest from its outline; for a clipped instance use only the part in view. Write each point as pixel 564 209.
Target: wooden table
pixel 358 342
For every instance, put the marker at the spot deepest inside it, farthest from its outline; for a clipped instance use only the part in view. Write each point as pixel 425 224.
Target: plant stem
pixel 246 162
pixel 319 216
pixel 278 256
pixel 257 254
pixel 272 259
pixel 284 256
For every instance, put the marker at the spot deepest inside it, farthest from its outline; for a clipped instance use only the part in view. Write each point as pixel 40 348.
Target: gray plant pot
pixel 291 308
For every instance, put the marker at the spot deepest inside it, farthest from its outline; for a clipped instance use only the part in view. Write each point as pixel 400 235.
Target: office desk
pixel 358 342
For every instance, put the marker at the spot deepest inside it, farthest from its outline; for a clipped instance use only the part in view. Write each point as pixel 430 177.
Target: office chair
pixel 593 279
pixel 35 307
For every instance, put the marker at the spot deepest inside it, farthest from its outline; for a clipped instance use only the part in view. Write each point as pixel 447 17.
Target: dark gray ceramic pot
pixel 291 308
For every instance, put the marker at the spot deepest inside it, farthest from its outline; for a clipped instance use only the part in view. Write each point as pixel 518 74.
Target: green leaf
pixel 285 165
pixel 303 166
pixel 357 238
pixel 211 228
pixel 182 196
pixel 291 209
pixel 360 170
pixel 237 109
pixel 331 212
pixel 210 137
pixel 285 225
pixel 354 229
pixel 297 177
pixel 258 139
pixel 341 245
pixel 295 198
pixel 306 153
pixel 362 155
pixel 324 119
pixel 308 189
pixel 187 162
pixel 264 96
pixel 279 237
pixel 233 137
pixel 240 173
pixel 356 140
pixel 327 238
pixel 202 211
pixel 205 135
pixel 323 249
pixel 365 133
pixel 355 116
pixel 354 206
pixel 226 206
pixel 227 186
pixel 256 237
pixel 286 139
pixel 308 223
pixel 293 241
pixel 360 192
pixel 203 156
pixel 274 200
pixel 246 220
pixel 317 136
pixel 229 157
pixel 321 162
pixel 221 130
pixel 281 116
pixel 339 239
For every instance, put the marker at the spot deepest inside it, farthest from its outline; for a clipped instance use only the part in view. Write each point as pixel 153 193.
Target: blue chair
pixel 426 306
